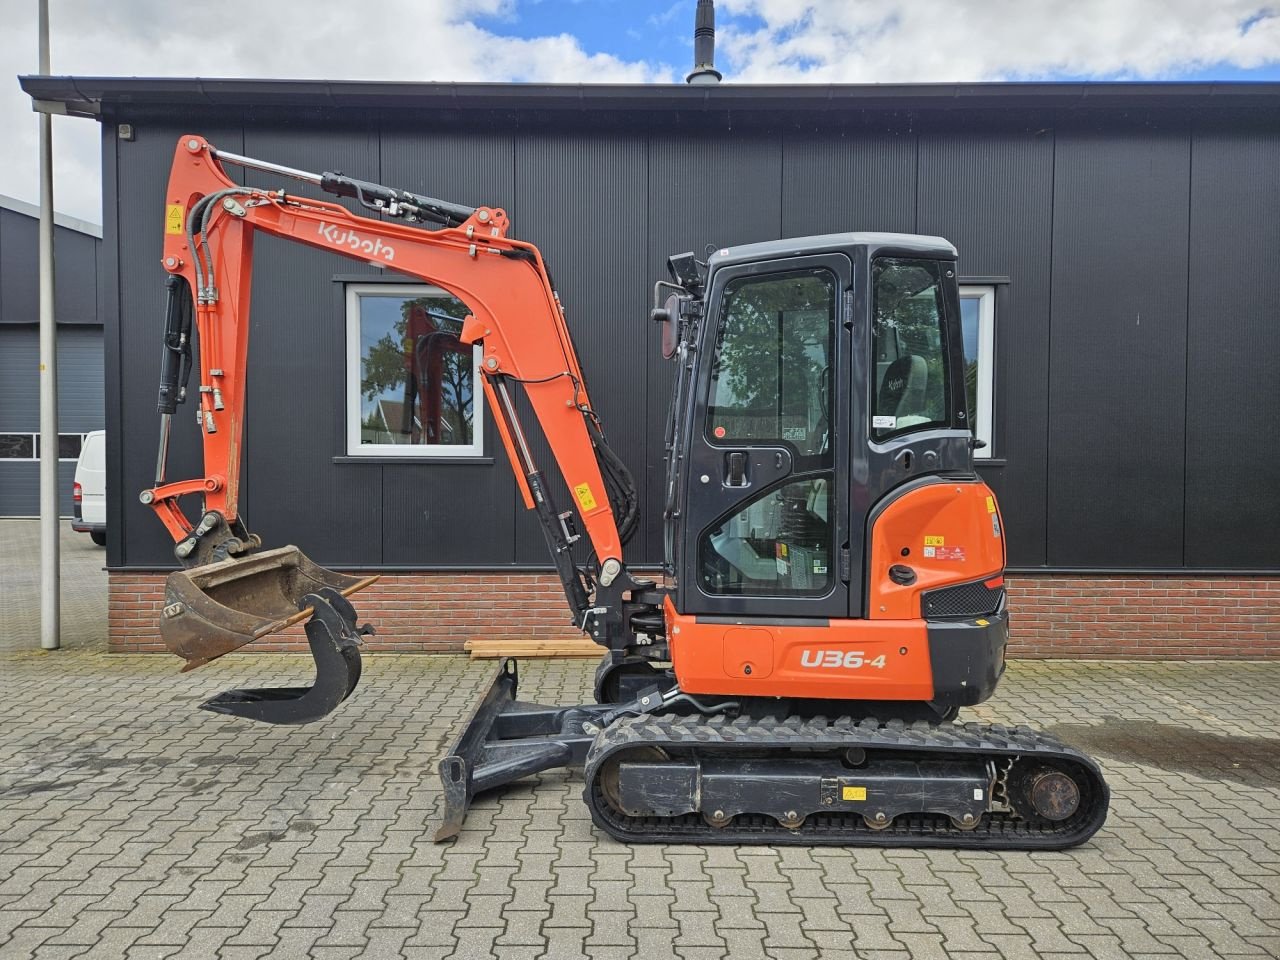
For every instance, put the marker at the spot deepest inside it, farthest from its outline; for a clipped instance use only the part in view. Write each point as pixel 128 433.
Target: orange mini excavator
pixel 833 586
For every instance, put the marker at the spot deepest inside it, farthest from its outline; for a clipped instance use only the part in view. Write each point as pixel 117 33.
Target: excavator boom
pixel 229 593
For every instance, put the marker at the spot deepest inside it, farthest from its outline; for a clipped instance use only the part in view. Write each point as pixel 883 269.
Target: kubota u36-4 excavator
pixel 833 588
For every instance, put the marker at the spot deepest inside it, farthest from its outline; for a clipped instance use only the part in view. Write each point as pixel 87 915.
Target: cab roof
pixel 875 243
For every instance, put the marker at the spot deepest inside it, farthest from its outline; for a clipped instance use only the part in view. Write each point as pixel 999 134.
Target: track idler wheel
pixel 1046 793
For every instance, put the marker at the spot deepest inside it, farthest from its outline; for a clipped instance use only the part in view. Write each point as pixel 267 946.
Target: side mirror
pixel 669 316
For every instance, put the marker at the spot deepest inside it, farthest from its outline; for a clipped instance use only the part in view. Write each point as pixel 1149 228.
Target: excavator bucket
pixel 216 608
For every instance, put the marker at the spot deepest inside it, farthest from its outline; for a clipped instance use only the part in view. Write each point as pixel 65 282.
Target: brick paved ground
pixel 133 825
pixel 84 588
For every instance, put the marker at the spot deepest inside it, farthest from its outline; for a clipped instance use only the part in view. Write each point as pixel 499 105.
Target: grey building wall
pixel 1135 333
pixel 80 364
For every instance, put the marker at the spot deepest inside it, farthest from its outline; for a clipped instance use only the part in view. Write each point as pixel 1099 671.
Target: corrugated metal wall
pixel 80 367
pixel 80 410
pixel 75 279
pixel 1133 336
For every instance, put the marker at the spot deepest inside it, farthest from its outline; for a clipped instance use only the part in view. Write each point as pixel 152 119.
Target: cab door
pixel 764 525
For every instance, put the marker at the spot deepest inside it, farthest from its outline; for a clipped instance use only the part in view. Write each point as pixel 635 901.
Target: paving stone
pixel 168 832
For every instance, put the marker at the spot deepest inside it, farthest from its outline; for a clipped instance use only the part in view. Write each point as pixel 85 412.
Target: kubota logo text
pixel 843 659
pixel 344 237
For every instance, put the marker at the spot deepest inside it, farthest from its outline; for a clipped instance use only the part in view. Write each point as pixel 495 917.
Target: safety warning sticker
pixel 585 499
pixel 173 219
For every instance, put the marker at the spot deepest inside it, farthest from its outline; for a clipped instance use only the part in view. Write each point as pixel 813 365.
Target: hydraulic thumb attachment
pixel 213 609
pixel 334 639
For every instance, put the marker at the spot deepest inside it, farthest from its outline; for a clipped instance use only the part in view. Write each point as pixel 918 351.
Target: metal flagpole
pixel 50 587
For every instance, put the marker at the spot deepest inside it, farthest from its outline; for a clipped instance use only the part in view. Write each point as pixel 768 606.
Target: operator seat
pixel 902 391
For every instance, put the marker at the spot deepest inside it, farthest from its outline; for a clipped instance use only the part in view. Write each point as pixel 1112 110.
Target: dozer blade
pixel 214 609
pixel 505 739
pixel 334 639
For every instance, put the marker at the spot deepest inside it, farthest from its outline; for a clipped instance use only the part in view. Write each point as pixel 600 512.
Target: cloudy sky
pixel 631 41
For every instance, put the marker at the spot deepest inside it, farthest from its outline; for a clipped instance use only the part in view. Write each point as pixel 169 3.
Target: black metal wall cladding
pixel 1137 226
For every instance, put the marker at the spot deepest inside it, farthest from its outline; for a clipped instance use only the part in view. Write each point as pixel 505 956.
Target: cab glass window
pixel 771 379
pixel 778 545
pixel 910 388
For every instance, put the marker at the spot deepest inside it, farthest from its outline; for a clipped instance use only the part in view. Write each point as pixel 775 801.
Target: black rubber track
pixel 718 737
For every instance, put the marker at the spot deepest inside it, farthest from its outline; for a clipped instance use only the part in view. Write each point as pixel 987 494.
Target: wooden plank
pixel 480 647
pixel 534 646
pixel 533 654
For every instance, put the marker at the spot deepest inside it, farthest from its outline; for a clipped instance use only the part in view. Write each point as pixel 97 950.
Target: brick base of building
pixel 1142 617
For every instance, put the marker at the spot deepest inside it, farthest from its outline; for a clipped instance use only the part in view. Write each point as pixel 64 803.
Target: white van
pixel 89 494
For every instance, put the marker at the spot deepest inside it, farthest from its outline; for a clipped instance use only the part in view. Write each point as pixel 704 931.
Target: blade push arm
pixel 515 314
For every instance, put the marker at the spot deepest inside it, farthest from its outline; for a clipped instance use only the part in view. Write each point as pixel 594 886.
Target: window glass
pixel 26 446
pixel 777 545
pixel 977 321
pixel 909 348
pixel 771 381
pixel 69 446
pixel 413 388
pixel 17 446
pixel 970 322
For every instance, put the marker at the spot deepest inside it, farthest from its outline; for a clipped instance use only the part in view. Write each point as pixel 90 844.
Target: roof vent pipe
pixel 704 45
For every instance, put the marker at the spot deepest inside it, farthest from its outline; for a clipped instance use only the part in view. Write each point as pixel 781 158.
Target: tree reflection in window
pixel 910 350
pixel 416 377
pixel 771 380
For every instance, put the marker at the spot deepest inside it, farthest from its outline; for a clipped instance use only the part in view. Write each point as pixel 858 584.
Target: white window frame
pixel 35 446
pixel 985 294
pixel 355 448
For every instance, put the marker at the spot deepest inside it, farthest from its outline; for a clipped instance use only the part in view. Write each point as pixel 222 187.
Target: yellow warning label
pixel 853 793
pixel 935 541
pixel 173 219
pixel 585 500
pixel 991 504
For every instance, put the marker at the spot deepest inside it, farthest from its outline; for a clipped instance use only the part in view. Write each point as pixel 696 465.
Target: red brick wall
pixel 1054 616
pixel 412 612
pixel 1142 617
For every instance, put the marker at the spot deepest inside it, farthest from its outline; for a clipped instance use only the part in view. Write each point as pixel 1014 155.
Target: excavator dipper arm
pixel 515 314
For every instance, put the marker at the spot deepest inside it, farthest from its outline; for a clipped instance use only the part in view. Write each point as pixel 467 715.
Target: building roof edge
pixel 14 205
pixel 85 95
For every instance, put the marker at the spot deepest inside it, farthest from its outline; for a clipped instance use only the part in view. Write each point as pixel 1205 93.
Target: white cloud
pixel 304 39
pixel 762 41
pixel 836 41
